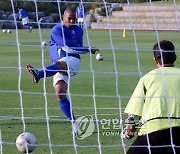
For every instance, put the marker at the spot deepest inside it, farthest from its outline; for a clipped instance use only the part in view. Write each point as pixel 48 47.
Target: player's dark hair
pixel 69 10
pixel 167 50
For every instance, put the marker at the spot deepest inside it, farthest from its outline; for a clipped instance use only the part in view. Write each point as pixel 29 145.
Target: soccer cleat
pixel 75 128
pixel 34 73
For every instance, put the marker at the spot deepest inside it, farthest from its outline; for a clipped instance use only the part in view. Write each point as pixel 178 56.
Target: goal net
pixel 123 31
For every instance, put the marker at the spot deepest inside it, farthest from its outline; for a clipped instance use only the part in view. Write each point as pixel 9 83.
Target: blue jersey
pixel 80 11
pixel 62 36
pixel 22 13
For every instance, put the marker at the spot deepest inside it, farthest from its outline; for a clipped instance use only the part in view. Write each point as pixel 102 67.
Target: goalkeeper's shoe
pixel 34 73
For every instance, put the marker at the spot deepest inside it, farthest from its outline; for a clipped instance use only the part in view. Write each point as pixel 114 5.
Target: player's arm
pixel 53 53
pixel 56 40
pixel 20 14
pixel 79 50
pixel 134 109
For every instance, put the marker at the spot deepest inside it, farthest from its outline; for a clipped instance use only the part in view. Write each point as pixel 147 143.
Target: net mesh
pixel 123 32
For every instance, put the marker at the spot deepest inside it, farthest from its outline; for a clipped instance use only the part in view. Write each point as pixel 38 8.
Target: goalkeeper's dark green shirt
pixel 156 99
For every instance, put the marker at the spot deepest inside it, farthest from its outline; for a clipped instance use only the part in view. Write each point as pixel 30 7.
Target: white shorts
pixel 80 20
pixel 73 67
pixel 25 21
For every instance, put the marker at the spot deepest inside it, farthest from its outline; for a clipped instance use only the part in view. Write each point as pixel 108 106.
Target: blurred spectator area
pixel 7 20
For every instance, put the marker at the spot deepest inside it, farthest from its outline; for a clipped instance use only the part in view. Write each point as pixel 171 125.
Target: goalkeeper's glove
pixel 129 130
pixel 127 135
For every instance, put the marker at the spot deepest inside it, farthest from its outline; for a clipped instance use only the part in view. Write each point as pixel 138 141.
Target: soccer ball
pixel 99 57
pixel 26 142
pixel 8 31
pixel 4 30
pixel 44 43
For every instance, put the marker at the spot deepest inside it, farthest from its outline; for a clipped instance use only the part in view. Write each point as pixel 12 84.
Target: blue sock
pixel 26 27
pixel 64 105
pixel 49 70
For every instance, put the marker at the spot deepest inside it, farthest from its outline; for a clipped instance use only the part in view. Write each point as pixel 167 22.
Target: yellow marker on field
pixel 124 32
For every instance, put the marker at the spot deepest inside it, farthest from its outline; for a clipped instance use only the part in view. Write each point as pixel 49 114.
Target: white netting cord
pixel 115 73
pixel 94 93
pixel 93 73
pixel 19 68
pixel 44 80
pixel 1 142
pixel 69 77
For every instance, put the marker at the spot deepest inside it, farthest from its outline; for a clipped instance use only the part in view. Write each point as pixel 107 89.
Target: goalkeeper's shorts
pixel 159 142
pixel 73 68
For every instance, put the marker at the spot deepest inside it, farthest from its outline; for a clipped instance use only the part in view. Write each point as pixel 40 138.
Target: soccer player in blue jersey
pixel 66 45
pixel 25 19
pixel 80 14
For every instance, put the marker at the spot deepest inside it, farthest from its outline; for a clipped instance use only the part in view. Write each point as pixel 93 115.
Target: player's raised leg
pixel 49 70
pixel 33 72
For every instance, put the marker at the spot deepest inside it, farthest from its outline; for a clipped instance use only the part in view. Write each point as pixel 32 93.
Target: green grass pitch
pixel 115 78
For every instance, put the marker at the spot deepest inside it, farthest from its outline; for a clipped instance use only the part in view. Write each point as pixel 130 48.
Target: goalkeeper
pixel 156 99
pixel 66 45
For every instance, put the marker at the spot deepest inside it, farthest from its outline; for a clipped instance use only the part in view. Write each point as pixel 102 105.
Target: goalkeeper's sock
pixel 64 105
pixel 49 70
